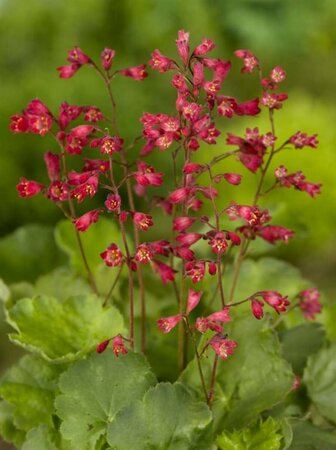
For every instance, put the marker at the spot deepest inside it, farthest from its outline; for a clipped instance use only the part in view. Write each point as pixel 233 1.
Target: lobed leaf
pixel 63 330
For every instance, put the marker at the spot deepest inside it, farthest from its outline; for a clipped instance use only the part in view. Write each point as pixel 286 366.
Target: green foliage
pixel 28 252
pixel 264 436
pixel 319 377
pixel 40 438
pixel 94 390
pixel 167 418
pixel 95 240
pixel 300 342
pixel 63 329
pixel 308 437
pixel 252 381
pixel 28 389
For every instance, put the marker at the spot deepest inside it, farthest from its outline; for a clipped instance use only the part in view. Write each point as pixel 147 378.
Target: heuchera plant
pixel 199 258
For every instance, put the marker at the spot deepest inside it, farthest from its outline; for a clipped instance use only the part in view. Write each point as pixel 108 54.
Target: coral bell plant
pixel 163 270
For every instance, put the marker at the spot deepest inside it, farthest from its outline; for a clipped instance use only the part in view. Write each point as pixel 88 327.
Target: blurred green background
pixel 300 36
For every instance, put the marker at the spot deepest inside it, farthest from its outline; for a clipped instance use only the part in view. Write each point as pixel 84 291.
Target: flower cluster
pixel 199 245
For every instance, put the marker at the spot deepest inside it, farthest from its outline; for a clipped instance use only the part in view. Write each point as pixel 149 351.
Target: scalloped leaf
pixel 94 390
pixel 28 389
pixel 167 418
pixel 63 330
pixel 253 380
pixel 308 437
pixel 319 377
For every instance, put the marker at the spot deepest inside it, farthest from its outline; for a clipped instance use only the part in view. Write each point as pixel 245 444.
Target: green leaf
pixel 94 390
pixel 308 437
pixel 168 417
pixel 63 330
pixel 62 284
pixel 40 438
pixel 267 274
pixel 4 292
pixel 264 436
pixel 95 240
pixel 7 428
pixel 29 388
pixel 251 381
pixel 28 252
pixel 320 380
pixel 300 342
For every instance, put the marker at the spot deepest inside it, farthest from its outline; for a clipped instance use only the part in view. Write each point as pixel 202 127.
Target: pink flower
pixel 218 243
pixel 278 74
pixel 203 324
pixel 222 346
pixel 300 140
pixel 182 223
pixel 28 188
pixel 96 164
pixel 189 239
pixel 110 145
pixel 142 221
pixel 137 73
pixel 52 162
pixel 58 191
pixel 166 272
pixel 273 101
pixel 309 303
pixel 160 62
pixel 182 44
pixel 19 124
pixel 118 346
pixel 273 233
pixel 77 56
pixel 275 300
pixel 166 324
pixel 193 300
pixel 146 175
pixel 67 114
pixel 144 254
pixel 220 316
pixel 38 117
pixel 233 178
pixel 113 202
pixel 257 308
pixel 68 71
pixel 190 168
pixel 112 256
pixel 89 188
pixel 180 195
pixel 204 47
pixel 107 56
pixel 93 114
pixel 195 270
pixel 102 346
pixel 212 268
pixel 183 252
pixel 249 59
pixel 84 222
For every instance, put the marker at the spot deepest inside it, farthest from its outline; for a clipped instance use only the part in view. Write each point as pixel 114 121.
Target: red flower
pixel 193 300
pixel 204 47
pixel 144 254
pixel 222 346
pixel 113 202
pixel 273 101
pixel 28 188
pixel 300 140
pixel 93 114
pixel 137 73
pixel 118 346
pixel 68 71
pixel 58 191
pixel 278 74
pixel 52 162
pixel 84 222
pixel 110 145
pixel 195 270
pixel 273 233
pixel 182 44
pixel 250 60
pixel 218 243
pixel 309 303
pixel 19 124
pixel 182 223
pixel 257 308
pixel 107 56
pixel 89 188
pixel 166 272
pixel 112 256
pixel 160 62
pixel 142 221
pixel 77 56
pixel 189 239
pixel 275 300
pixel 166 324
pixel 102 346
pixel 146 175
